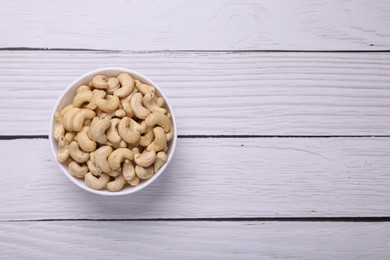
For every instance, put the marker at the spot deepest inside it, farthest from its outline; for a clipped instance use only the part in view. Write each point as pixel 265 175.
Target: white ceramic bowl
pixel 66 99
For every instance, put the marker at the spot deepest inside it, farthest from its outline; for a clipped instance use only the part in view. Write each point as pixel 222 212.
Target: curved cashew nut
pixel 109 105
pixel 147 138
pixel 96 183
pixel 150 103
pixel 144 88
pixel 70 136
pixel 127 85
pixel 170 134
pixel 128 170
pixel 117 184
pixel 65 110
pixel 120 113
pixel 101 155
pixel 145 159
pixel 112 132
pixel 77 170
pixel 161 158
pixel 99 82
pixel 63 149
pixel 144 173
pixel 130 136
pixel 77 154
pixel 160 140
pixel 82 88
pixel 93 169
pixel 79 117
pixel 113 84
pixel 97 95
pixel 136 106
pixel 97 131
pixel 59 129
pixel 118 156
pixel 125 103
pixel 82 97
pixel 158 118
pixel 84 141
pixel 67 119
pixel 160 101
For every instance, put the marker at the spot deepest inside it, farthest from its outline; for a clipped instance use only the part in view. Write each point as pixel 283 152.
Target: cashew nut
pixel 125 103
pixel 84 141
pixel 109 105
pixel 59 129
pixel 158 118
pixel 160 101
pixel 82 97
pixel 144 88
pixel 82 88
pixel 96 183
pixel 147 138
pixel 97 95
pixel 77 170
pixel 131 136
pixel 127 85
pixel 97 131
pixel 128 170
pixel 63 149
pixel 113 84
pixel 136 106
pixel 99 82
pixel 145 159
pixel 160 140
pixel 116 184
pixel 144 173
pixel 150 103
pixel 101 156
pixel 112 132
pixel 136 126
pixel 79 117
pixel 68 117
pixel 93 169
pixel 69 136
pixel 161 158
pixel 66 109
pixel 118 156
pixel 77 154
pixel 120 113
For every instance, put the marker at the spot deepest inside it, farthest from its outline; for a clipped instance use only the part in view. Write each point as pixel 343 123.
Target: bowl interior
pixel 67 97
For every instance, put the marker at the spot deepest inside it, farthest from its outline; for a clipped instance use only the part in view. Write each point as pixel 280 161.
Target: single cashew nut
pixel 160 101
pixel 96 183
pixel 117 184
pixel 101 158
pixel 113 84
pixel 169 135
pixel 158 118
pixel 67 119
pixel 97 95
pixel 135 181
pixel 127 85
pixel 59 129
pixel 63 149
pixel 118 156
pixel 161 158
pixel 93 169
pixel 144 88
pixel 84 141
pixel 97 131
pixel 137 107
pixel 109 105
pixel 99 82
pixel 82 97
pixel 79 118
pixel 77 170
pixel 128 170
pixel 77 154
pixel 150 103
pixel 130 136
pixel 144 173
pixel 66 109
pixel 160 140
pixel 120 113
pixel 145 159
pixel 112 132
pixel 70 136
pixel 125 103
pixel 147 138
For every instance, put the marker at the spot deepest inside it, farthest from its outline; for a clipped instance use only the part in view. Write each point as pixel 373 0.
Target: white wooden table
pixel 283 109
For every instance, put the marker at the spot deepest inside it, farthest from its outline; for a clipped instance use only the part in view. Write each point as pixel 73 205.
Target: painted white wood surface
pixel 195 25
pixel 195 240
pixel 249 177
pixel 217 93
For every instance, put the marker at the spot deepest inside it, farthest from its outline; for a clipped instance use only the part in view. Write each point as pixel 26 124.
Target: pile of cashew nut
pixel 115 132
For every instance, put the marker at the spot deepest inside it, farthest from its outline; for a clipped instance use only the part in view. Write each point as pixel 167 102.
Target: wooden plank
pixel 195 240
pixel 198 25
pixel 250 177
pixel 218 93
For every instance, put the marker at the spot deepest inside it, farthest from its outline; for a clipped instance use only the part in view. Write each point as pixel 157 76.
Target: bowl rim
pixel 129 190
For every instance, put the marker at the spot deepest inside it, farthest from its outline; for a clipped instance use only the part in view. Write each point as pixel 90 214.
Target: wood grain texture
pixel 197 25
pixel 217 93
pixel 261 177
pixel 195 240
